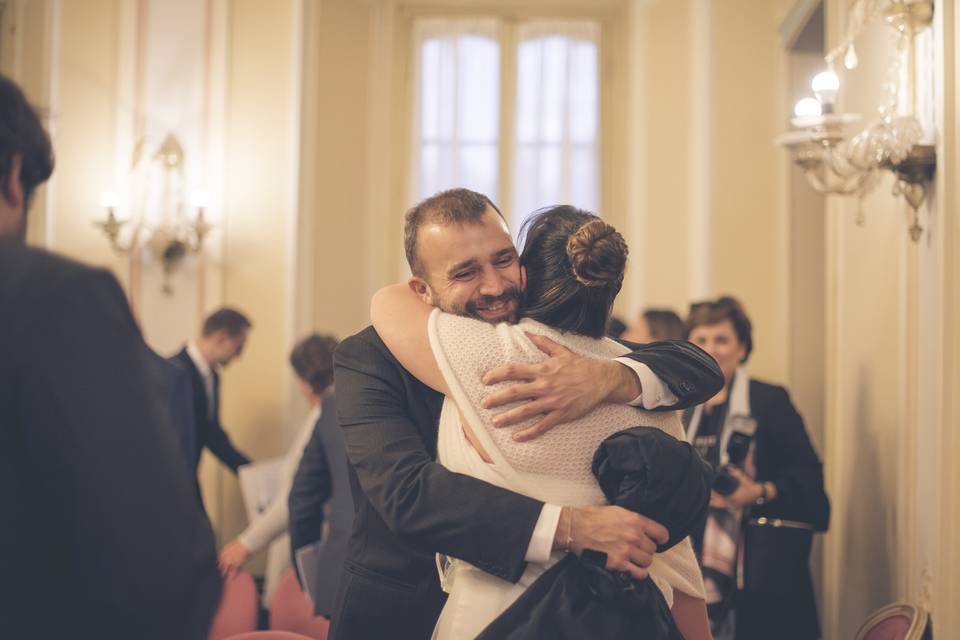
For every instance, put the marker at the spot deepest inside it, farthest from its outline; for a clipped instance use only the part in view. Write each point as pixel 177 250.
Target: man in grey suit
pixel 101 534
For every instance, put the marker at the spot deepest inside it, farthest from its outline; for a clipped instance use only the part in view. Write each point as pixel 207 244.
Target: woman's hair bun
pixel 597 254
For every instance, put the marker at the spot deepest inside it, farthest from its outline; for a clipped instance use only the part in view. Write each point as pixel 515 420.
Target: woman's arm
pixel 401 318
pixel 690 614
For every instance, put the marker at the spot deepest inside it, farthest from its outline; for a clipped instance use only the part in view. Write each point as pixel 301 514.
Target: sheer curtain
pixel 556 159
pixel 457 115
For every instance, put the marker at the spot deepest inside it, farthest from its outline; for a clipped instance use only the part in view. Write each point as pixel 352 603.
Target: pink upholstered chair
pixel 238 608
pixel 268 635
pixel 899 621
pixel 292 610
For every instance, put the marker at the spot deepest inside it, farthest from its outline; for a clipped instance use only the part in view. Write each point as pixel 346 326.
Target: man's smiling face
pixel 470 269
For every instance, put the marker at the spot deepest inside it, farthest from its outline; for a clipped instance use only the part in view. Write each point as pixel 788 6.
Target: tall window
pixel 551 156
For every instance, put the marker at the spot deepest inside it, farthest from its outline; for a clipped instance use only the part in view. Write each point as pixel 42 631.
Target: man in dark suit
pixel 321 507
pixel 409 507
pixel 222 339
pixel 101 535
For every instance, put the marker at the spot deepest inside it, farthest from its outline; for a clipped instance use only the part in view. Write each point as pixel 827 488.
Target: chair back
pixel 292 610
pixel 268 635
pixel 898 621
pixel 238 608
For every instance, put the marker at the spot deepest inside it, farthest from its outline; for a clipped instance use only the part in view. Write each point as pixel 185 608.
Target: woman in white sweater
pixel 312 361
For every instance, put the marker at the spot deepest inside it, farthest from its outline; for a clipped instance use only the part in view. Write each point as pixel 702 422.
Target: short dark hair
pixel 716 311
pixel 453 206
pixel 227 319
pixel 575 263
pixel 23 135
pixel 312 360
pixel 664 324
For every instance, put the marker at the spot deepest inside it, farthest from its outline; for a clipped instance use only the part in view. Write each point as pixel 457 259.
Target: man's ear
pixel 420 287
pixel 11 189
pixel 523 278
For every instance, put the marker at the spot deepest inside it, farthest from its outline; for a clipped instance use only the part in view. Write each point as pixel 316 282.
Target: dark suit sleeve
pixel 219 444
pixel 690 373
pixel 796 469
pixel 429 507
pixel 180 403
pixel 110 489
pixel 312 487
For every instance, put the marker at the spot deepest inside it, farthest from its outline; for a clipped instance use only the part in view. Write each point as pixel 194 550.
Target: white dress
pixel 554 468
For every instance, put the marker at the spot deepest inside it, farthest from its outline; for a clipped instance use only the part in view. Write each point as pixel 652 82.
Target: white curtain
pixel 556 158
pixel 457 119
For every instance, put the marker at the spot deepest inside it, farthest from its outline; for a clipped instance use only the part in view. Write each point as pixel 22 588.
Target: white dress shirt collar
pixel 198 360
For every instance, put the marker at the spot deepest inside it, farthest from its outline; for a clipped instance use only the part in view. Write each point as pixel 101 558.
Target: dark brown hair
pixel 664 324
pixel 454 206
pixel 22 134
pixel 574 263
pixel 312 360
pixel 716 311
pixel 227 319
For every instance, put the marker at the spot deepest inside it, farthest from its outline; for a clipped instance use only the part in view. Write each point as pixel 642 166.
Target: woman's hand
pixel 233 557
pixel 747 493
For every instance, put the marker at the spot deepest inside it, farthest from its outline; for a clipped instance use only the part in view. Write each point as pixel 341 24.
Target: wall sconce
pixel 836 162
pixel 158 182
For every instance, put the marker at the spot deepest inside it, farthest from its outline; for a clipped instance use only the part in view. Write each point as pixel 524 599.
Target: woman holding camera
pixel 768 497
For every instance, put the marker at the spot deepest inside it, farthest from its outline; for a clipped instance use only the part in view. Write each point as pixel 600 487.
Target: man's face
pixel 720 341
pixel 470 269
pixel 227 347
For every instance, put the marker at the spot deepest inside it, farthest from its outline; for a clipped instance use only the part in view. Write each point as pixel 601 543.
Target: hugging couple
pixel 516 474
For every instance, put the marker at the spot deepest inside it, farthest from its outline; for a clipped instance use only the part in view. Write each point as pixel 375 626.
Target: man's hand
pixel 561 389
pixel 233 557
pixel 628 539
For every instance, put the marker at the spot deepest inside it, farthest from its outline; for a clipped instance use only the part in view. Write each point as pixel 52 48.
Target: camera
pixel 738 446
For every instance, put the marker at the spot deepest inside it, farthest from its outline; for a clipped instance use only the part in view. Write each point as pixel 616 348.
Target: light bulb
pixel 200 198
pixel 807 108
pixel 825 86
pixel 109 199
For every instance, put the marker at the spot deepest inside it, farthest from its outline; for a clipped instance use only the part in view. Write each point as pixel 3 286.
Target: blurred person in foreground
pixel 102 535
pixel 768 498
pixel 654 325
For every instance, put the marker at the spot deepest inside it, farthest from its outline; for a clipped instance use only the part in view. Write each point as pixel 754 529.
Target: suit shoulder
pixel 768 396
pixel 30 270
pixel 363 345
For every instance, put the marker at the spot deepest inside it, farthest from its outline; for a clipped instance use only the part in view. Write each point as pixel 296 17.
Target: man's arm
pixel 567 386
pixel 110 484
pixel 220 445
pixel 312 487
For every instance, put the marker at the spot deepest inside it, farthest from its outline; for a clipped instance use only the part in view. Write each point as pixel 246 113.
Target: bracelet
pixel 568 543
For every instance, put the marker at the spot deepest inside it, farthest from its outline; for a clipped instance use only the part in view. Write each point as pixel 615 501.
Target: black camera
pixel 738 446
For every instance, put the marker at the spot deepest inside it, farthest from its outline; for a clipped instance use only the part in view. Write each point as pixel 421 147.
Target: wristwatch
pixel 763 495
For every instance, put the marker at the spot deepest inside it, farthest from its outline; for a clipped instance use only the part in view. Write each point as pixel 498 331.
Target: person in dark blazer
pixel 222 339
pixel 408 507
pixel 321 507
pixel 101 534
pixel 173 381
pixel 755 548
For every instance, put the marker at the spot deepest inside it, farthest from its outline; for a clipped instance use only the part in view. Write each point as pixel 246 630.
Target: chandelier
pixel 156 210
pixel 837 160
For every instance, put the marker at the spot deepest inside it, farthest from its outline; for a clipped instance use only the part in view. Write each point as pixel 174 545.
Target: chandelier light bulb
pixel 200 198
pixel 109 200
pixel 825 86
pixel 807 108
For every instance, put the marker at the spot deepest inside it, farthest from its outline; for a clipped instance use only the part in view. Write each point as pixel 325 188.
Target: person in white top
pixel 571 270
pixel 312 361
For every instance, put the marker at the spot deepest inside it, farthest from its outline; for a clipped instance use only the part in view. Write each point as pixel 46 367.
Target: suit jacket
pixel 177 392
pixel 778 588
pixel 101 534
pixel 409 507
pixel 320 496
pixel 208 431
